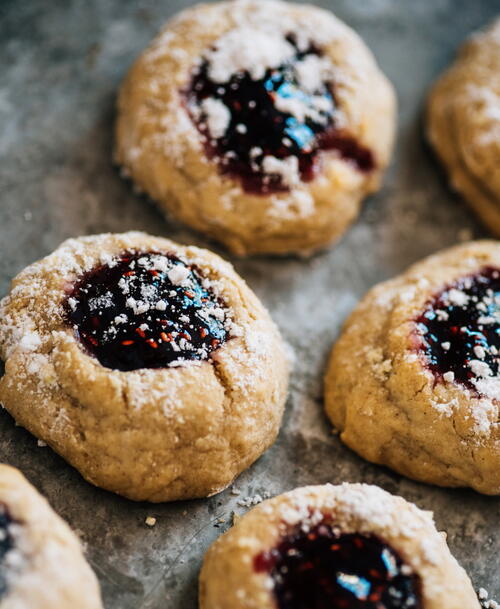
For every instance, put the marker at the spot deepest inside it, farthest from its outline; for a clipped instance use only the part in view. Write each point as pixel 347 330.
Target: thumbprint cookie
pixel 41 560
pixel 150 366
pixel 260 123
pixel 352 546
pixel 463 122
pixel 414 379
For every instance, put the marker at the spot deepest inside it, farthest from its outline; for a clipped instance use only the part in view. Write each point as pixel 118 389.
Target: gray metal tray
pixel 60 65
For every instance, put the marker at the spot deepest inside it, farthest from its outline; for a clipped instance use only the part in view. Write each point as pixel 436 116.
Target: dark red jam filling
pixel 325 569
pixel 258 129
pixel 459 330
pixel 147 311
pixel 6 544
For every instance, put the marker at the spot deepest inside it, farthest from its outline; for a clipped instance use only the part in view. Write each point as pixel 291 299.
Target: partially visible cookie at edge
pixel 413 382
pixel 352 546
pixel 463 123
pixel 42 565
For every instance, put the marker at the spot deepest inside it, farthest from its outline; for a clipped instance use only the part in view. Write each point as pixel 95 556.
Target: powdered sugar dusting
pixel 247 49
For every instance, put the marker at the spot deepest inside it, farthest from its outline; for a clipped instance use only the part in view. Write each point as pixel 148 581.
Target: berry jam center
pixel 460 332
pixel 147 311
pixel 325 569
pixel 6 544
pixel 267 131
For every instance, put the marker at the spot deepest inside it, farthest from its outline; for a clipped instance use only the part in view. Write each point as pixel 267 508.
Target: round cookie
pixel 260 123
pixel 150 366
pixel 413 381
pixel 41 560
pixel 463 123
pixel 352 546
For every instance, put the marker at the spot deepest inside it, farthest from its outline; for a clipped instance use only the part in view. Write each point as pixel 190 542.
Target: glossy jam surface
pixel 326 569
pixel 460 331
pixel 273 118
pixel 6 544
pixel 147 311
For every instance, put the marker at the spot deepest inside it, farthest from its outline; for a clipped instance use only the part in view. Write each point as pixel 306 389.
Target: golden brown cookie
pixel 414 380
pixel 463 123
pixel 41 561
pixel 352 546
pixel 150 366
pixel 261 123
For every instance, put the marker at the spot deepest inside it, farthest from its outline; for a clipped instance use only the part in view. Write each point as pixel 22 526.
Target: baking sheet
pixel 60 64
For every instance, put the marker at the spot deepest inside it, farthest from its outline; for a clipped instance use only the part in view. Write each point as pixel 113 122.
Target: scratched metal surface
pixel 60 65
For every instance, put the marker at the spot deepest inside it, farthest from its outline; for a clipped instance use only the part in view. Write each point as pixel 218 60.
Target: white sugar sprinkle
pixel 247 49
pixel 30 341
pixel 449 376
pixel 217 116
pixel 178 274
pixel 479 352
pixel 457 297
pixel 287 169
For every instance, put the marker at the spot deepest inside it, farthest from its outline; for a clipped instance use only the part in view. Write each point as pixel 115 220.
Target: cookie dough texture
pixel 149 434
pixel 159 146
pixel 463 123
pixel 389 407
pixel 46 568
pixel 229 581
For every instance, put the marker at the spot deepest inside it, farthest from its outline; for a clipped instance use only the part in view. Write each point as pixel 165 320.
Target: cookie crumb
pixel 150 521
pixel 255 500
pixel 485 602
